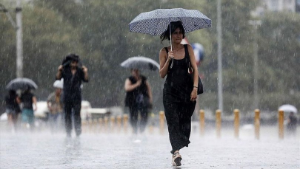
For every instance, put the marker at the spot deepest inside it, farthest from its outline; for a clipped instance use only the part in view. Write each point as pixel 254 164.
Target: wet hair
pixel 73 57
pixel 174 26
pixel 12 92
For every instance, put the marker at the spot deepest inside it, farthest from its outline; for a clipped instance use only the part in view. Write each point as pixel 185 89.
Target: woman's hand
pixel 194 94
pixel 170 55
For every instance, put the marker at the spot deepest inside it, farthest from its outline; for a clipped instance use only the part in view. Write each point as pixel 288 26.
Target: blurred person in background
pixel 73 76
pixel 292 124
pixel 28 99
pixel 138 99
pixel 12 108
pixel 55 106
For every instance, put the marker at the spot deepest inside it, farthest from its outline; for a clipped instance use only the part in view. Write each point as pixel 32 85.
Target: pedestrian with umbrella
pixel 27 98
pixel 180 88
pixel 138 91
pixel 292 118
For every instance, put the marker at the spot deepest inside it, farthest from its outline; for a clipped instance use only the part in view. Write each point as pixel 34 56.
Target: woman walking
pixel 180 89
pixel 138 99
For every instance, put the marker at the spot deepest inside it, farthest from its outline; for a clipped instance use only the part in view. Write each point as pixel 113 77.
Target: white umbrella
pixel 288 108
pixel 140 62
pixel 59 84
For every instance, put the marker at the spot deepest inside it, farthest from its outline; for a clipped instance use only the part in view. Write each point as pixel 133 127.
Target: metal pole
pixel 19 39
pixel 255 24
pixel 219 32
pixel 255 69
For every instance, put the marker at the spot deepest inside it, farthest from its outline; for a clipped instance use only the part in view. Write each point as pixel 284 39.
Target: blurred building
pixel 277 5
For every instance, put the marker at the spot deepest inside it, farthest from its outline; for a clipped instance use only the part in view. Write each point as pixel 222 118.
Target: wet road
pixel 109 151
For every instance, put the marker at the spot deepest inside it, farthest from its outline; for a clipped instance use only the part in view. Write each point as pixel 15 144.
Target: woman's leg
pixel 186 112
pixel 133 113
pixel 177 138
pixel 144 118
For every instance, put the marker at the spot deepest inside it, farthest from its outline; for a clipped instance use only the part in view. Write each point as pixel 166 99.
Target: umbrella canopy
pixel 156 22
pixel 140 62
pixel 21 83
pixel 288 108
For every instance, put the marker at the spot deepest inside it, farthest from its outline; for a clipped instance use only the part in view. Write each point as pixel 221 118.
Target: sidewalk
pixel 109 151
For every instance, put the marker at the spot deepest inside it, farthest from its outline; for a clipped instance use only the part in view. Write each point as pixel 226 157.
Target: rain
pixel 248 63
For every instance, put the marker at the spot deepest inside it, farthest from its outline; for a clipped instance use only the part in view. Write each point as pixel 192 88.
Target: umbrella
pixel 156 22
pixel 288 108
pixel 21 83
pixel 140 62
pixel 59 84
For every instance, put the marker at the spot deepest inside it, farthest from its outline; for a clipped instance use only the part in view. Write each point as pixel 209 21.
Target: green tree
pixel 279 44
pixel 46 40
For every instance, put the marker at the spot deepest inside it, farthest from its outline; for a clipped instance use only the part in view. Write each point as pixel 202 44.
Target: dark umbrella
pixel 21 83
pixel 140 62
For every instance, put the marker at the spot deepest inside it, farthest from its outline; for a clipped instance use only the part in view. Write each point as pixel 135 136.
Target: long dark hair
pixel 174 26
pixel 12 93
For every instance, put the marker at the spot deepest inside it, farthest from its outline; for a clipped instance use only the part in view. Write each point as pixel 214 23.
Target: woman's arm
pixel 193 64
pixel 149 92
pixel 129 86
pixel 164 62
pixel 59 73
pixel 195 72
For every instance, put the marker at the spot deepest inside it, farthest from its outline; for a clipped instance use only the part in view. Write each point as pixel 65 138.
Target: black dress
pixel 176 99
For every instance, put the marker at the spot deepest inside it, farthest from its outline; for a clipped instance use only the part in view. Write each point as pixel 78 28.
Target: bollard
pixel 90 125
pixel 105 124
pixel 83 126
pixel 100 124
pixel 161 121
pixel 218 123
pixel 119 123
pixel 112 123
pixel 236 123
pixel 281 124
pixel 151 126
pixel 257 123
pixel 202 122
pixel 95 126
pixel 125 122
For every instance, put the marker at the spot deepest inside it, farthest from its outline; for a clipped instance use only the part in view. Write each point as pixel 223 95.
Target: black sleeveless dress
pixel 176 98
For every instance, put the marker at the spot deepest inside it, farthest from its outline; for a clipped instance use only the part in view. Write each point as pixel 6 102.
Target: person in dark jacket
pixel 138 99
pixel 73 76
pixel 12 107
